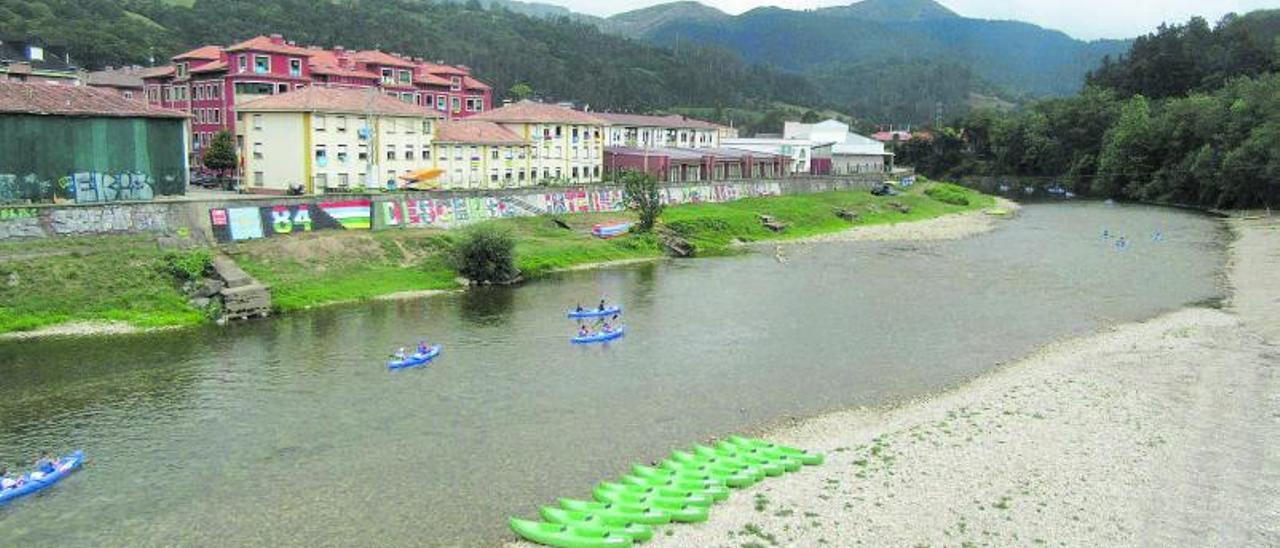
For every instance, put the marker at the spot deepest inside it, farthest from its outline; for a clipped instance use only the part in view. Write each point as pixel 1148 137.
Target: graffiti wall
pixel 249 223
pixel 456 211
pixel 90 160
pixel 30 222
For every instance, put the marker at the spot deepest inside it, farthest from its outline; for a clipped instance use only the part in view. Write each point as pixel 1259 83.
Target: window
pixel 182 70
pixel 342 154
pixel 575 172
pixel 426 126
pixel 295 68
pixel 457 153
pixel 321 180
pixel 426 153
pixel 406 77
pixel 199 92
pixel 493 154
pixel 391 152
pixel 242 63
pixel 388 76
pixel 342 124
pixel 457 104
pixel 257 178
pixel 343 180
pixel 596 171
pixel 475 154
pixel 455 83
pixel 253 88
pixel 319 122
pixel 322 156
pixel 408 98
pixel 261 64
pixel 409 126
pixel 282 88
pixel 257 151
pixel 362 152
pixel 559 132
pixel 442 102
pixel 257 121
pixel 408 152
pixel 128 95
pixel 428 100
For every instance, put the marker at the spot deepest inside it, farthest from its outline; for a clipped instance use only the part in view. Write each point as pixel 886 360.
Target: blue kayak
pixel 415 359
pixel 595 312
pixel 30 485
pixel 600 336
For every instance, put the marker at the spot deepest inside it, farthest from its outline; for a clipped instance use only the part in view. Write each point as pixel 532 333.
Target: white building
pixel 801 151
pixel 566 145
pixel 850 152
pixel 640 131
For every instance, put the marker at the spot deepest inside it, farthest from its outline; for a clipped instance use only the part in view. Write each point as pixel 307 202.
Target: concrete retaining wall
pixel 245 217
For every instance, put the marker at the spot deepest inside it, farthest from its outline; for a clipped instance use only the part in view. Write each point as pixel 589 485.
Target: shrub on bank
pixel 485 254
pixel 188 265
pixel 949 193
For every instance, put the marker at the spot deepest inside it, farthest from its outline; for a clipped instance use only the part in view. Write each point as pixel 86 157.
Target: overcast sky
pixel 1087 19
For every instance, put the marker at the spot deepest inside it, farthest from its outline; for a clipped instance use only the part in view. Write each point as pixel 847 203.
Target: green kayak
pixel 629 512
pixel 770 467
pixel 733 465
pixel 565 536
pixel 731 477
pixel 789 464
pixel 680 511
pixel 806 457
pixel 715 490
pixel 637 531
pixel 687 497
pixel 649 472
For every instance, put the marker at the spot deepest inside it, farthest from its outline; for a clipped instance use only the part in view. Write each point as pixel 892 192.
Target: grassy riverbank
pixel 124 279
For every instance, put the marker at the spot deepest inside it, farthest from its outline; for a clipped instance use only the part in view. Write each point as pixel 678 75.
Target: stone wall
pixel 244 217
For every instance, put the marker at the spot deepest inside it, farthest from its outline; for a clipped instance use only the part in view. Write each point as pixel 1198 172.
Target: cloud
pixel 1087 19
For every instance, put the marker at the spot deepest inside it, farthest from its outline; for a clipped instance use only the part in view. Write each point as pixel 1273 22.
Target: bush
pixel 949 193
pixel 641 193
pixel 486 254
pixel 188 265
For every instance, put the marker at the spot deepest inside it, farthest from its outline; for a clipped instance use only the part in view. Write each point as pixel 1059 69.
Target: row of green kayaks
pixel 682 488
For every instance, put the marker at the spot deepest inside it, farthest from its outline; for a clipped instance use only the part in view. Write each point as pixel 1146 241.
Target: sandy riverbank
pixel 1159 433
pixel 946 227
pixel 79 329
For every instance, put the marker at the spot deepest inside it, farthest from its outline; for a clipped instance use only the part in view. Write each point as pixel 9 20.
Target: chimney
pixel 277 39
pixel 292 43
pixel 339 49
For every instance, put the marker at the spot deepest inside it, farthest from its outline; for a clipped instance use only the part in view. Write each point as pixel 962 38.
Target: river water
pixel 292 432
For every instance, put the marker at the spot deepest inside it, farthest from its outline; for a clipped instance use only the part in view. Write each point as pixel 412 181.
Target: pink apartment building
pixel 209 81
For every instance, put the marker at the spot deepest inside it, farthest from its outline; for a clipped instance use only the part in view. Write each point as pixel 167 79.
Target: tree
pixel 521 91
pixel 811 117
pixel 221 154
pixel 640 193
pixel 486 255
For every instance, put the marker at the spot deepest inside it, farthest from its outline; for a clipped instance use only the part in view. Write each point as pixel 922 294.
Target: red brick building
pixel 209 81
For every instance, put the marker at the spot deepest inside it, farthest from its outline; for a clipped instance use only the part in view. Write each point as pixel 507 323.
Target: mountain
pixel 1019 58
pixel 532 9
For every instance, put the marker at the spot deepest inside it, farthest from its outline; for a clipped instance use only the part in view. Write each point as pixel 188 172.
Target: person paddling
pixel 602 307
pixel 584 332
pixel 7 482
pixel 400 354
pixel 423 347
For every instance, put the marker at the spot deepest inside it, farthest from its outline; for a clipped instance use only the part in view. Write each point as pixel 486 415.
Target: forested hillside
pixel 1190 115
pixel 560 58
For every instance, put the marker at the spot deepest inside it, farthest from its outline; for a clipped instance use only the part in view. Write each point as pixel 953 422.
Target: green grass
pixel 112 278
pixel 125 278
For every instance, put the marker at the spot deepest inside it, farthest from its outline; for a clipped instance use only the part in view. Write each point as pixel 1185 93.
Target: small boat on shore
pixel 34 482
pixel 610 231
pixel 595 312
pixel 416 359
pixel 600 336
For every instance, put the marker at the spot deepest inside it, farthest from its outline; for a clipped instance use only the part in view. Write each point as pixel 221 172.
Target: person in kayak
pixel 602 307
pixel 607 328
pixel 423 348
pixel 579 309
pixel 400 354
pixel 583 331
pixel 7 482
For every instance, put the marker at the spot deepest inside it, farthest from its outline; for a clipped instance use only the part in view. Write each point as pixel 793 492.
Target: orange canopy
pixel 425 174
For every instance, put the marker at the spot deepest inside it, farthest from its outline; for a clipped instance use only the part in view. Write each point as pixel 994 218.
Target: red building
pixel 685 165
pixel 209 81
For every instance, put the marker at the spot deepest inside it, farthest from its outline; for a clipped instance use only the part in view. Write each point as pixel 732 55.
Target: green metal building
pixel 87 145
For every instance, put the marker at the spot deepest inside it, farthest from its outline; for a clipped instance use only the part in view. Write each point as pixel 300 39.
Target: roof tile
pixel 345 100
pixel 476 132
pixel 59 100
pixel 538 113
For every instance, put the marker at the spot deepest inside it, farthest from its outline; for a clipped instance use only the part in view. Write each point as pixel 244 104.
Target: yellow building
pixel 565 145
pixel 476 154
pixel 332 139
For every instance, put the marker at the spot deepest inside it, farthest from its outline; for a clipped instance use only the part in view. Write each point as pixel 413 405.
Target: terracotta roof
pixel 210 67
pixel 474 132
pixel 127 77
pixel 433 80
pixel 335 70
pixel 345 100
pixel 267 44
pixel 471 83
pixel 210 53
pixel 669 121
pixel 57 100
pixel 376 57
pixel 435 68
pixel 157 72
pixel 538 113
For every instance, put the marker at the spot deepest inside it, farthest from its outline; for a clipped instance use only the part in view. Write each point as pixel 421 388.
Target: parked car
pixel 884 189
pixel 205 180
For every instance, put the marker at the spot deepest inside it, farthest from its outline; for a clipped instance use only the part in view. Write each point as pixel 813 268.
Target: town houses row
pixel 328 120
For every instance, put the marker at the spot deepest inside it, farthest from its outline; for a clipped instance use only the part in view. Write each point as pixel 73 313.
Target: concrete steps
pixel 243 297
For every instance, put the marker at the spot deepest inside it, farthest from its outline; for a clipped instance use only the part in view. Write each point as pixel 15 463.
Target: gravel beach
pixel 1158 433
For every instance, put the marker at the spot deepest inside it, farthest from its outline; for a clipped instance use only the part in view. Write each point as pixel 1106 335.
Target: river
pixel 292 432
